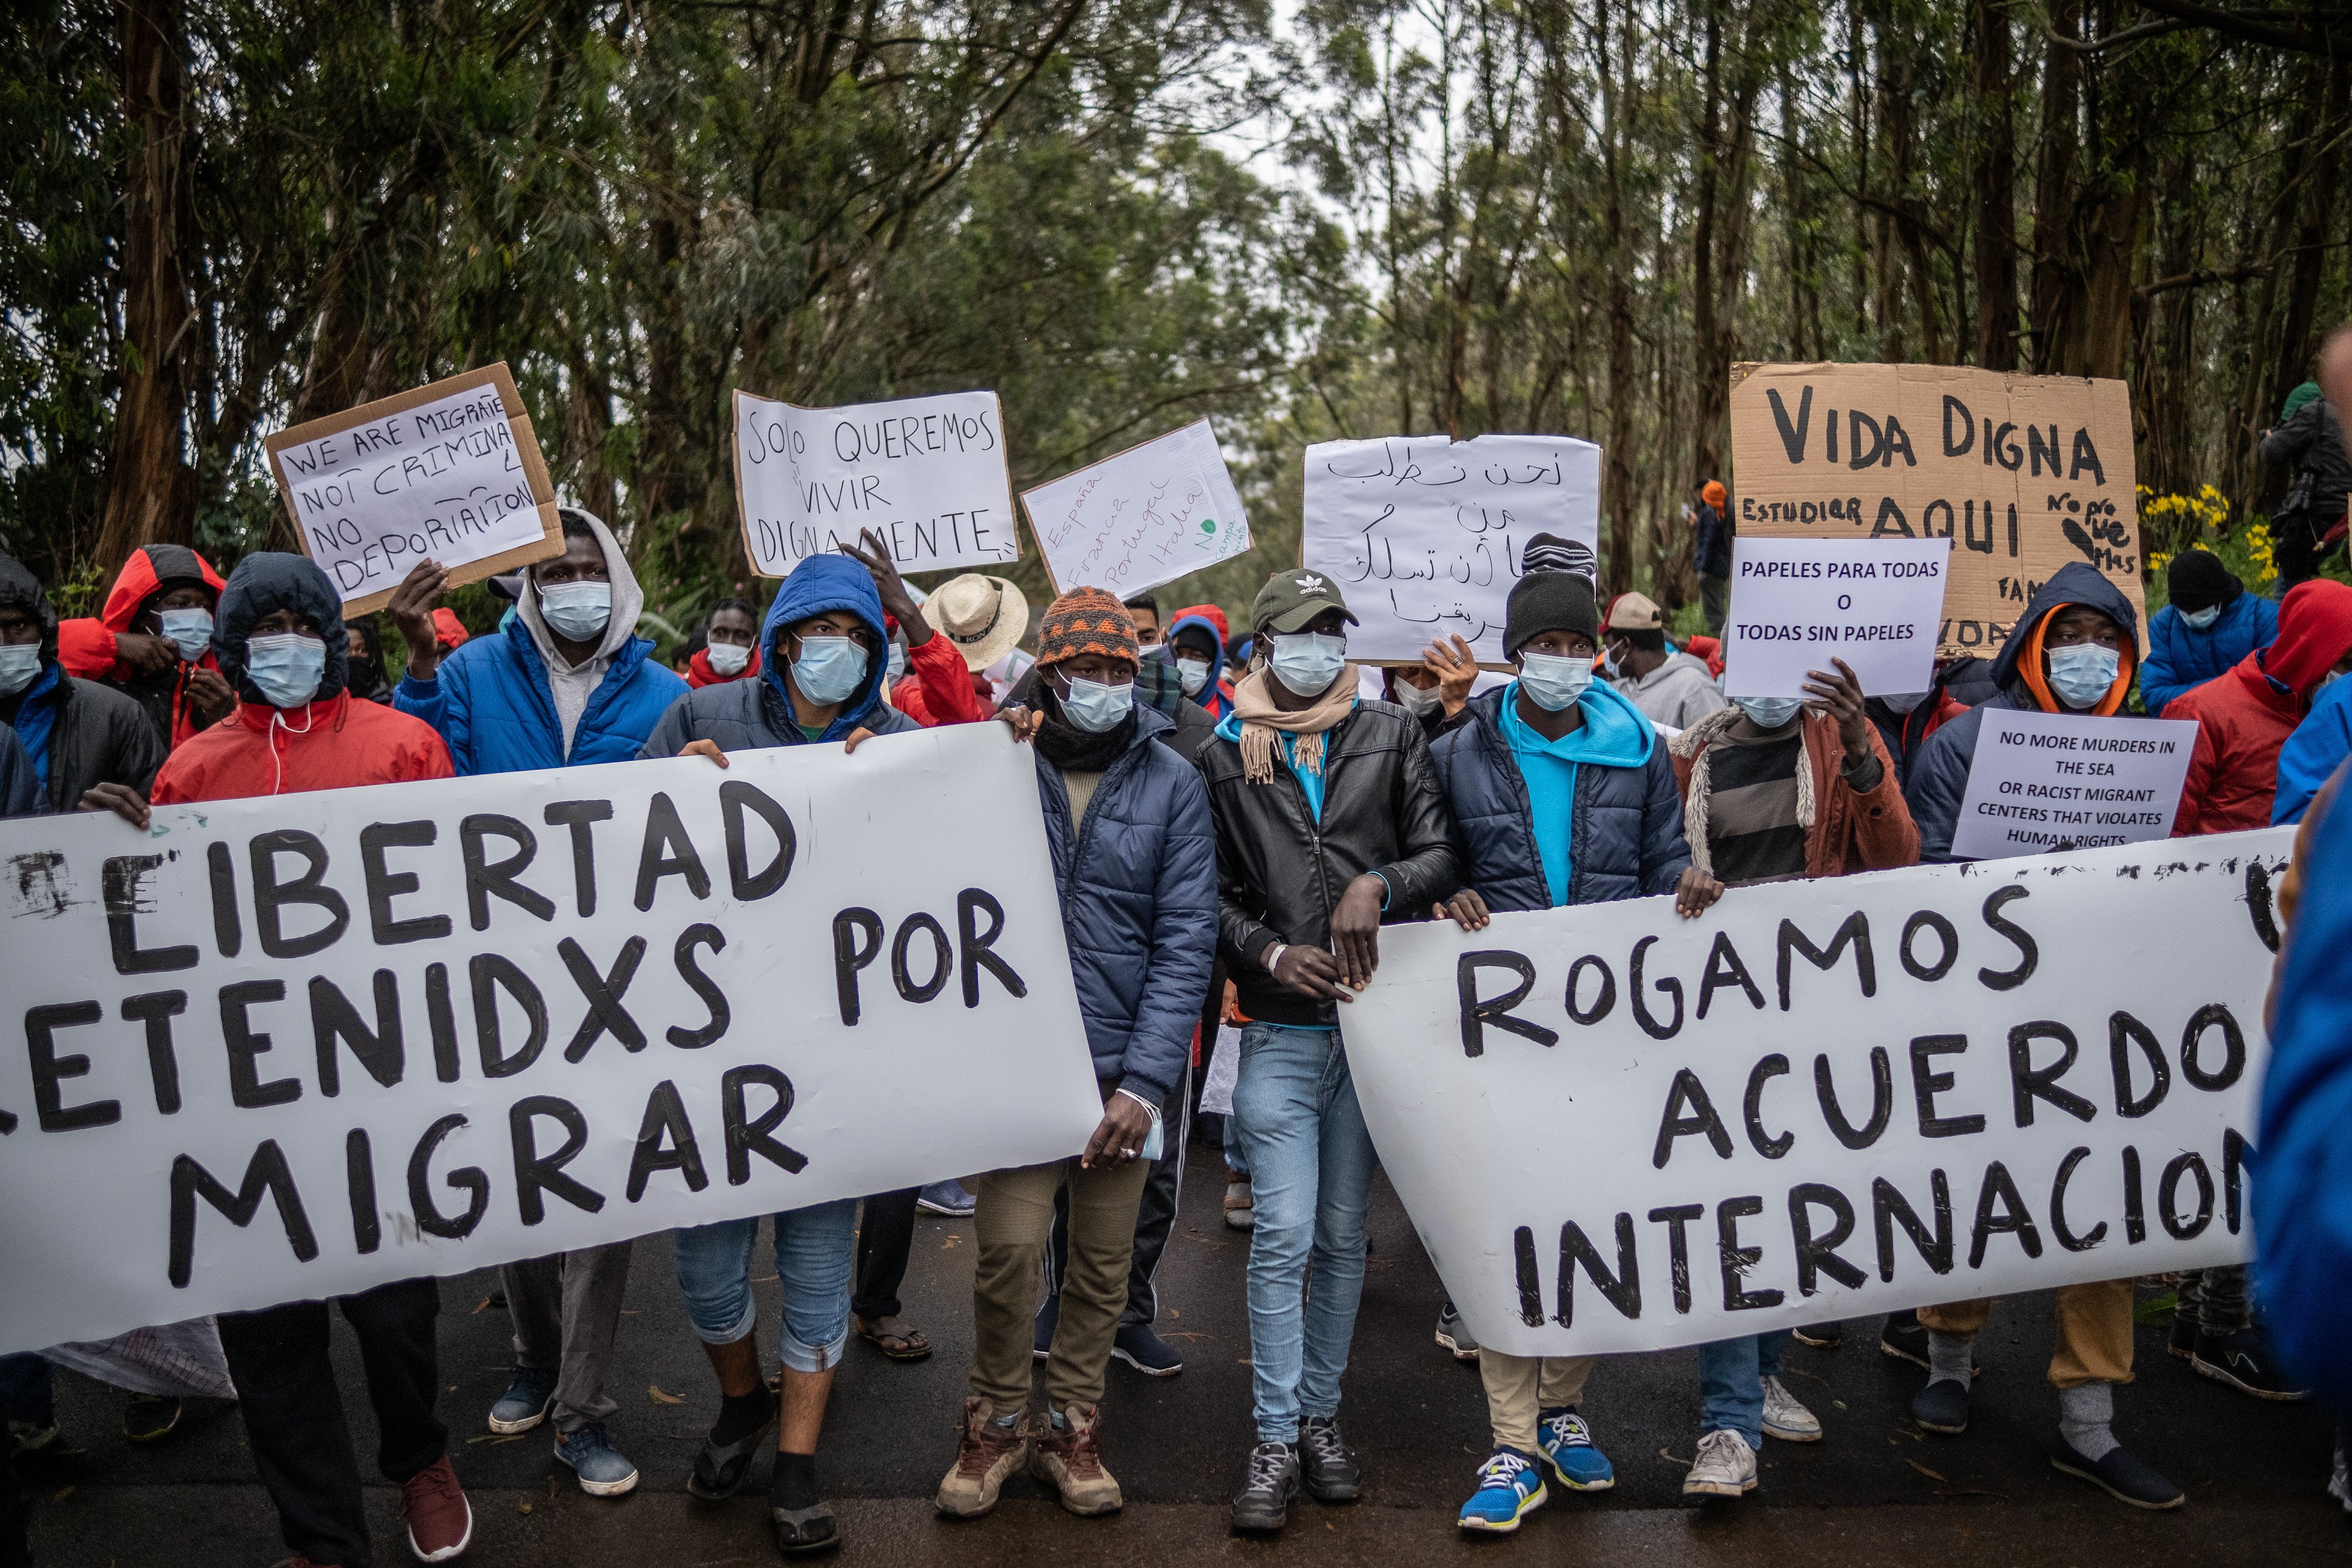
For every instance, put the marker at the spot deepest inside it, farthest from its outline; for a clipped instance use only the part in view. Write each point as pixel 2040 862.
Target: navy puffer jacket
pixel 1138 891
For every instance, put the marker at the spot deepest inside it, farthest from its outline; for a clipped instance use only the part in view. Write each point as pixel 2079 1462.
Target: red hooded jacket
pixel 937 687
pixel 85 647
pixel 337 744
pixel 2246 714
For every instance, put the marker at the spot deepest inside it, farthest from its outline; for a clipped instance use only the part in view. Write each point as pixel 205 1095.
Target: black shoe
pixel 150 1417
pixel 1454 1335
pixel 1263 1501
pixel 1904 1339
pixel 801 1530
pixel 2120 1476
pixel 1822 1336
pixel 2246 1362
pixel 1049 1317
pixel 1136 1345
pixel 2181 1339
pixel 1327 1462
pixel 1942 1406
pixel 719 1468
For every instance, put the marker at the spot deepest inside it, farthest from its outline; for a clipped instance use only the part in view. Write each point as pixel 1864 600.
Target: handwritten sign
pixel 1423 535
pixel 449 472
pixel 1796 604
pixel 1150 515
pixel 927 474
pixel 2022 474
pixel 2057 780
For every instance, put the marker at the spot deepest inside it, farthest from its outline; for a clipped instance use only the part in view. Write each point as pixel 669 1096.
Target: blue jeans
pixel 1731 1374
pixel 1235 1165
pixel 815 1250
pixel 1310 1163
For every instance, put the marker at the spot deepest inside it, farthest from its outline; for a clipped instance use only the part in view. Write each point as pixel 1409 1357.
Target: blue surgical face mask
pixel 191 630
pixel 1903 702
pixel 1095 706
pixel 1415 700
pixel 2200 619
pixel 1307 662
pixel 1553 683
pixel 728 658
pixel 829 669
pixel 1769 713
pixel 2082 673
pixel 19 663
pixel 1191 674
pixel 578 611
pixel 286 666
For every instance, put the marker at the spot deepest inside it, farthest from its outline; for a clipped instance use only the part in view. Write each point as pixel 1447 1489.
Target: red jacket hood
pixel 149 567
pixel 1212 614
pixel 2314 632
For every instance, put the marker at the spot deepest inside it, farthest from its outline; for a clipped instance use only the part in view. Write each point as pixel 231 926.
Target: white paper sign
pixel 289 1048
pixel 1829 1099
pixel 1423 535
pixel 1796 604
pixel 1148 516
pixel 927 474
pixel 2046 780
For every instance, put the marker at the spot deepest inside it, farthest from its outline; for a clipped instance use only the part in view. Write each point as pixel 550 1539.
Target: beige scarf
pixel 1695 746
pixel 1262 724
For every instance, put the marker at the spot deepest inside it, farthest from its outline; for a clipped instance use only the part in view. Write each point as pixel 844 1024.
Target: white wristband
pixel 1275 956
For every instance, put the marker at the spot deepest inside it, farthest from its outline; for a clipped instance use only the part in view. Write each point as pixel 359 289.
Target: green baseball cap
pixel 1291 599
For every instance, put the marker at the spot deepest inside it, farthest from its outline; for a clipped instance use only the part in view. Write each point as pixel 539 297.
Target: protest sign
pixel 288 1048
pixel 1150 515
pixel 1828 1098
pixel 2022 474
pixel 927 474
pixel 2040 781
pixel 1796 604
pixel 1423 535
pixel 449 472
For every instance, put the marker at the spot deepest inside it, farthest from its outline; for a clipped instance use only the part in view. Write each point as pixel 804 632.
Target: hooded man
pixel 89 747
pixel 1675 689
pixel 2245 716
pixel 1711 552
pixel 2211 623
pixel 153 640
pixel 2308 442
pixel 1196 641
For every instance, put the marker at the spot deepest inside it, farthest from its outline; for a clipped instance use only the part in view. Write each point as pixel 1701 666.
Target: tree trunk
pixel 2056 266
pixel 1994 189
pixel 1709 152
pixel 1624 529
pixel 2298 338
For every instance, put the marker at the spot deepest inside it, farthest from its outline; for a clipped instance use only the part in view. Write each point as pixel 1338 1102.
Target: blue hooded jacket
pixel 1625 838
pixel 2180 656
pixel 1209 696
pixel 2316 748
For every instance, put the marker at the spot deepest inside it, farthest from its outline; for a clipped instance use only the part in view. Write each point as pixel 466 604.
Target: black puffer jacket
pixel 1280 874
pixel 98 736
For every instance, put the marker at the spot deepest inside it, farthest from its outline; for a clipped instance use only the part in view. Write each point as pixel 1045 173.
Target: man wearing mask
pixel 1675 689
pixel 2211 625
pixel 731 650
pixel 1905 720
pixel 153 640
pixel 2245 716
pixel 1436 689
pixel 1134 865
pixel 2072 652
pixel 1196 641
pixel 90 746
pixel 1328 814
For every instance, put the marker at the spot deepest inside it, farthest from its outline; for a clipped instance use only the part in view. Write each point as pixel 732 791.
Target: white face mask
pixel 286 666
pixel 1192 674
pixel 1418 701
pixel 1307 662
pixel 190 630
pixel 577 610
pixel 1903 702
pixel 19 663
pixel 728 658
pixel 1769 713
pixel 1554 682
pixel 2201 618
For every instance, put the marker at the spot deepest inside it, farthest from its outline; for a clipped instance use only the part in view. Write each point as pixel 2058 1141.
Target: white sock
pixel 1950 1357
pixel 2084 1414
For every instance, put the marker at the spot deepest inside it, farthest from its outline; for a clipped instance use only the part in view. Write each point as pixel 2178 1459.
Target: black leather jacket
pixel 1280 874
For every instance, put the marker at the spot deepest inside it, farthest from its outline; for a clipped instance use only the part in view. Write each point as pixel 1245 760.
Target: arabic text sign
pixel 2045 781
pixel 1826 1099
pixel 2022 474
pixel 1423 535
pixel 290 1048
pixel 927 474
pixel 1150 515
pixel 449 472
pixel 1797 604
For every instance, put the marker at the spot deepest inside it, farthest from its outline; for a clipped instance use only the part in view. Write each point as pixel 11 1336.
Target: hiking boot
pixel 1136 1345
pixel 1566 1442
pixel 1454 1335
pixel 1510 1487
pixel 2246 1362
pixel 719 1468
pixel 947 1197
pixel 1263 1501
pixel 1726 1467
pixel 1942 1406
pixel 986 1454
pixel 1906 1339
pixel 2119 1475
pixel 440 1520
pixel 1239 1214
pixel 525 1403
pixel 150 1418
pixel 1821 1336
pixel 1326 1463
pixel 1786 1417
pixel 1065 1456
pixel 603 1470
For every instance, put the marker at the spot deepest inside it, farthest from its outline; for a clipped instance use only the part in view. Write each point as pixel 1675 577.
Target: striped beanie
pixel 1086 621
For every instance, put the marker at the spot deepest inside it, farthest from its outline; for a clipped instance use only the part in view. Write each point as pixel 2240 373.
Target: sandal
pixel 893 1338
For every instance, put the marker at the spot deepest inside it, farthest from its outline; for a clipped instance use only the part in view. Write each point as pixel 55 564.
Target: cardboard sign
pixel 290 1048
pixel 1827 1099
pixel 2022 474
pixel 1796 604
pixel 2042 781
pixel 1423 535
pixel 1150 515
pixel 449 472
pixel 927 474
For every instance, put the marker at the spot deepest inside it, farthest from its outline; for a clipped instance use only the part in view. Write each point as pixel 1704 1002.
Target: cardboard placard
pixel 1797 604
pixel 2022 474
pixel 1149 515
pixel 449 472
pixel 2040 781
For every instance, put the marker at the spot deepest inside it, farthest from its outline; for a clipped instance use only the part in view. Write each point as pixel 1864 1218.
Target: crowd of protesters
pixel 1230 819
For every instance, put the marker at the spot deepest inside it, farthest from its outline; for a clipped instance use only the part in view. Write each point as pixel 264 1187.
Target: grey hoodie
pixel 570 686
pixel 1677 693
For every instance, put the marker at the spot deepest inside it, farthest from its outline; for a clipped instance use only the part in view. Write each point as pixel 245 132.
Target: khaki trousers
pixel 2095 1331
pixel 1520 1387
pixel 1015 1217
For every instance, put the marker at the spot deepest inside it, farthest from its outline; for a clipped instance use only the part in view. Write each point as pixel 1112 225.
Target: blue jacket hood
pixel 1615 734
pixel 822 583
pixel 2074 583
pixel 1216 660
pixel 264 583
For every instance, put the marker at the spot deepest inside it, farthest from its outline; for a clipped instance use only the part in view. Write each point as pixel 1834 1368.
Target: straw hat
pixel 984 616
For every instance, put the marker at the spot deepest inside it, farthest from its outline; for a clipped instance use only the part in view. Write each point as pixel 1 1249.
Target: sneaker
pixel 1136 1345
pixel 150 1417
pixel 1904 1338
pixel 947 1197
pixel 603 1470
pixel 2120 1476
pixel 1510 1486
pixel 1566 1441
pixel 1821 1336
pixel 1239 1216
pixel 1326 1463
pixel 1065 1456
pixel 985 1454
pixel 2181 1339
pixel 1263 1501
pixel 1453 1335
pixel 719 1468
pixel 2246 1362
pixel 1049 1317
pixel 440 1520
pixel 525 1403
pixel 1786 1417
pixel 1726 1467
pixel 1942 1406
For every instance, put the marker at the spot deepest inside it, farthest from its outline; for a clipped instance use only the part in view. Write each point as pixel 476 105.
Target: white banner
pixel 927 474
pixel 1146 515
pixel 1617 1130
pixel 2059 781
pixel 288 1048
pixel 1423 535
pixel 1796 604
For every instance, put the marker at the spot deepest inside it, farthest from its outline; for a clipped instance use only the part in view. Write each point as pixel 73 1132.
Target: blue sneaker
pixel 603 1470
pixel 524 1403
pixel 1510 1486
pixel 1568 1443
pixel 947 1197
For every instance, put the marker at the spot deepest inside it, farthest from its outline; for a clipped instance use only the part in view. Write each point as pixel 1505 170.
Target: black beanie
pixel 2198 581
pixel 1549 601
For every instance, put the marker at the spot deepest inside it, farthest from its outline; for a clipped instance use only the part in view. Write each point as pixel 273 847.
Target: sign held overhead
pixel 1149 515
